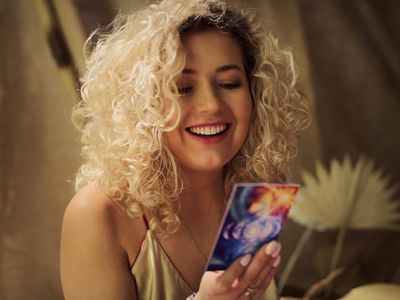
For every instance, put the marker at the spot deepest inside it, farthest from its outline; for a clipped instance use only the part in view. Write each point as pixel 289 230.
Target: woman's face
pixel 216 102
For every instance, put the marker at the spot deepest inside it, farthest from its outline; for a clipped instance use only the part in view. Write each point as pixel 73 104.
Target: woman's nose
pixel 207 101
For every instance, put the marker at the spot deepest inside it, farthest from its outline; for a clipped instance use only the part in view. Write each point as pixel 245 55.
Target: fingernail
pixel 235 283
pixel 270 248
pixel 277 250
pixel 245 260
pixel 276 262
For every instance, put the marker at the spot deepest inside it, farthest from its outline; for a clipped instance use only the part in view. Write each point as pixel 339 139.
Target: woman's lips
pixel 209 134
pixel 208 130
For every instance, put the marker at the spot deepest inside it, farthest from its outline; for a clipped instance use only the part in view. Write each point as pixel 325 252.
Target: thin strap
pixel 144 238
pixel 146 222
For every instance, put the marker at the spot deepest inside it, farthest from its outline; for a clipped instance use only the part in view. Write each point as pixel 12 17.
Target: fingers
pixel 223 283
pixel 261 263
pixel 229 277
pixel 271 264
pixel 261 271
pixel 266 277
pixel 254 272
pixel 260 291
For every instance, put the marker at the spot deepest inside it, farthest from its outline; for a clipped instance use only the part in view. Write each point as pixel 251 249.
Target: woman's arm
pixel 94 265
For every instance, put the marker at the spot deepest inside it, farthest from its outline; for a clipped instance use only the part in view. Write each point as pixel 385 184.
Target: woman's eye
pixel 230 86
pixel 185 90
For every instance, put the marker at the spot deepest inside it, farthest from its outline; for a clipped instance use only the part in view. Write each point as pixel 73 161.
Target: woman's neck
pixel 204 191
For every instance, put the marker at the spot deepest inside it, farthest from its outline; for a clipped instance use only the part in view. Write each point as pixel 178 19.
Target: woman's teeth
pixel 208 130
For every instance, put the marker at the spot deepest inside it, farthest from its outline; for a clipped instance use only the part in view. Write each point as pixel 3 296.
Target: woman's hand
pixel 247 278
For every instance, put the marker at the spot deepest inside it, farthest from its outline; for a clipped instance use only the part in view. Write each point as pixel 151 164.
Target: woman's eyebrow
pixel 220 69
pixel 225 68
pixel 189 71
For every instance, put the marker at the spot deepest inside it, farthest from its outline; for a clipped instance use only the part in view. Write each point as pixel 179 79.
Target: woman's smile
pixel 209 133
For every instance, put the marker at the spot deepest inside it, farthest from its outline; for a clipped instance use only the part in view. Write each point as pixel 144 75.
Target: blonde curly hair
pixel 130 74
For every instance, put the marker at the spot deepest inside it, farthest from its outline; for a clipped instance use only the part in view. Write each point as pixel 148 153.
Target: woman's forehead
pixel 212 47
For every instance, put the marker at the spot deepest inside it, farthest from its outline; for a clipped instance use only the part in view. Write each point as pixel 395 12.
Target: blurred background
pixel 344 230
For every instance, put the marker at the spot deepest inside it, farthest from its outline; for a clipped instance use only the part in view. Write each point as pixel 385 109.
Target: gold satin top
pixel 156 278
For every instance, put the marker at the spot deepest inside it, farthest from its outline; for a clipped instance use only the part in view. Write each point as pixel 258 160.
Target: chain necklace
pixel 194 242
pixel 186 228
pixel 203 257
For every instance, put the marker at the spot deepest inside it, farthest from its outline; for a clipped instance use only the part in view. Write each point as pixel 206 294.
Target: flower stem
pixel 293 258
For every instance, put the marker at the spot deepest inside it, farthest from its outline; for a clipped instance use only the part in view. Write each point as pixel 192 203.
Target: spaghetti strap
pixel 146 222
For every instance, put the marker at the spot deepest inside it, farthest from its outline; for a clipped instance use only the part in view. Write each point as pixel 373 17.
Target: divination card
pixel 254 216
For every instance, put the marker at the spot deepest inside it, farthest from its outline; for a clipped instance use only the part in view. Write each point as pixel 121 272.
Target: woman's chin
pixel 206 165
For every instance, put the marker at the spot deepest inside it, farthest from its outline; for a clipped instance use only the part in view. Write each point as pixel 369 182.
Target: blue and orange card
pixel 254 216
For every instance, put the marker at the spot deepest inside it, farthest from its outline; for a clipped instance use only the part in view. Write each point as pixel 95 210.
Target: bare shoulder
pixel 91 209
pixel 98 238
pixel 89 205
pixel 90 202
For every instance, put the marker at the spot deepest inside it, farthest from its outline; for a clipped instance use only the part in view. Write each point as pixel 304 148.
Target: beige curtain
pixel 354 55
pixel 39 152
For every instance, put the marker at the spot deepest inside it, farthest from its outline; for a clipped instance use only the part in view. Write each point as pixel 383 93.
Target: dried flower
pixel 358 197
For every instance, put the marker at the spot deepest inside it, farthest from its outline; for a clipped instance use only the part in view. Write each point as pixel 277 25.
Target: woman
pixel 180 101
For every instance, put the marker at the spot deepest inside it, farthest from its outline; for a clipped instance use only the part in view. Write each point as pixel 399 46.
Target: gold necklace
pixel 203 257
pixel 194 241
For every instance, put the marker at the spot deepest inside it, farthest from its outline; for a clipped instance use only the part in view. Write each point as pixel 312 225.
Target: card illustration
pixel 255 215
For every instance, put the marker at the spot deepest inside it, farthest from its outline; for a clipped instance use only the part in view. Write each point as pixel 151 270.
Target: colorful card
pixel 254 216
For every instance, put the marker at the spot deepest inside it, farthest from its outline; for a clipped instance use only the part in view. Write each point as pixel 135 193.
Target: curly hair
pixel 130 74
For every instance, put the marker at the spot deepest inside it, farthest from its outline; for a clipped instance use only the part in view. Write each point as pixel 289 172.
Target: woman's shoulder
pixel 97 237
pixel 92 212
pixel 90 202
pixel 90 207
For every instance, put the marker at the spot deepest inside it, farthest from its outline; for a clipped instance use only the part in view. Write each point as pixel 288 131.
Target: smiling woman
pixel 179 101
pixel 216 103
